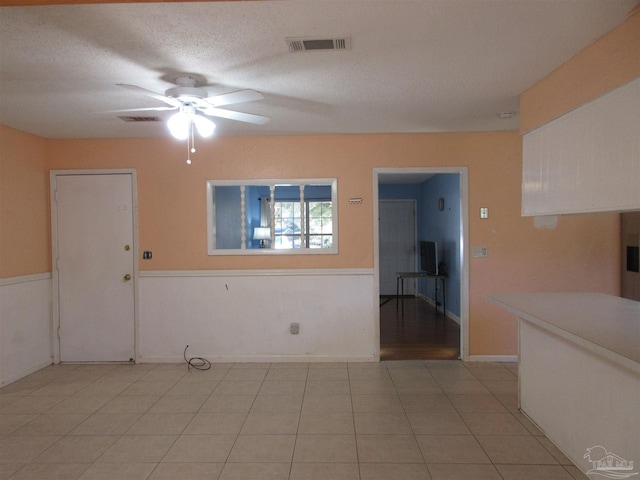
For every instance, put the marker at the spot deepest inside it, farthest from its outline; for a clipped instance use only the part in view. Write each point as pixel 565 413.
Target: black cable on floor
pixel 199 363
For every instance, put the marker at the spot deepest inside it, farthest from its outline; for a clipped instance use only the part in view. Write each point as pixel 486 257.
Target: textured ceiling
pixel 414 66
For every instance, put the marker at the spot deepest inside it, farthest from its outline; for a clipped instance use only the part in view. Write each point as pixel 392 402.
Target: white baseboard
pixel 430 301
pixel 264 359
pixel 494 358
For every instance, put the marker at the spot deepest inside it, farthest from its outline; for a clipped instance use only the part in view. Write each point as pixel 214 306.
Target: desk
pixel 400 276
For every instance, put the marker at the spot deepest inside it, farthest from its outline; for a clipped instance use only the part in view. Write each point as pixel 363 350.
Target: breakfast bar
pixel 579 372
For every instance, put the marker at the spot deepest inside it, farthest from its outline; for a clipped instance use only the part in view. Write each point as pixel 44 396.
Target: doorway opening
pixel 428 317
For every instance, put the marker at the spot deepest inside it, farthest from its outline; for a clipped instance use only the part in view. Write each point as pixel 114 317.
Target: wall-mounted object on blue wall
pixel 441 204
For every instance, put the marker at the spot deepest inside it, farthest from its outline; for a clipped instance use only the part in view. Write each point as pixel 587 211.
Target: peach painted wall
pixel 25 246
pixel 581 254
pixel 609 62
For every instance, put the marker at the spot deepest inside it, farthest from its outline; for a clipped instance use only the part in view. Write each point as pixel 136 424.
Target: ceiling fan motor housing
pixel 186 93
pixel 186 89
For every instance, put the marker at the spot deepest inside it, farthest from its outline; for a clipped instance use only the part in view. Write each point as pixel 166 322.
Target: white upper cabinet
pixel 587 160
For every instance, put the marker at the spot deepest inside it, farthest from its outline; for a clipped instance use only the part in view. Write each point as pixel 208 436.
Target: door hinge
pixel 58 333
pixel 55 195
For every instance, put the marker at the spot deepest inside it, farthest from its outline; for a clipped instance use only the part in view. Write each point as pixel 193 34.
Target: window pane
pixel 287 241
pixel 327 210
pixel 315 241
pixel 319 225
pixel 287 226
pixel 320 222
pixel 315 225
pixel 320 241
pixel 320 214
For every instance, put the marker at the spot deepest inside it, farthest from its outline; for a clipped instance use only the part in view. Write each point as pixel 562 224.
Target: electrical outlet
pixel 294 328
pixel 484 212
pixel 479 252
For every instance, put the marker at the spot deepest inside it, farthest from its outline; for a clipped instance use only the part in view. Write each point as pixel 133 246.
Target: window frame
pixel 211 216
pixel 306 219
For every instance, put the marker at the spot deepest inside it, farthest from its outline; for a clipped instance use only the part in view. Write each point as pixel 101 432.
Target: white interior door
pixel 397 227
pixel 94 228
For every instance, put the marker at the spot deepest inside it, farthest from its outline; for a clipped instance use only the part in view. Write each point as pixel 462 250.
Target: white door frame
pixel 464 248
pixel 55 317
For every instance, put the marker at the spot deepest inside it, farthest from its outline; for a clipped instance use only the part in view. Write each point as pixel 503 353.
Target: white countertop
pixel 603 323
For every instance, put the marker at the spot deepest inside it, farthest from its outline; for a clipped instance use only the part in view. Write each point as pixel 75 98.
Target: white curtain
pixel 265 216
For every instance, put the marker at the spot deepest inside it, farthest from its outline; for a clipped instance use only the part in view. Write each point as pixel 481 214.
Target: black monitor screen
pixel 429 257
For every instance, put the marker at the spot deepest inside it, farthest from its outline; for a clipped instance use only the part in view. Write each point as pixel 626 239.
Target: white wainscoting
pixel 25 326
pixel 244 316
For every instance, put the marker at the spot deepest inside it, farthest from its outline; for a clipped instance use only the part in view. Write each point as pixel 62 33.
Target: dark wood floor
pixel 420 333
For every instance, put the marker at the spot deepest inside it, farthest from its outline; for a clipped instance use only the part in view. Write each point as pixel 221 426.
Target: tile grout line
pixel 295 443
pixel 179 434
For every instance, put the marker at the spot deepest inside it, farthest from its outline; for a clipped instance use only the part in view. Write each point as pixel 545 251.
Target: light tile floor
pixel 439 420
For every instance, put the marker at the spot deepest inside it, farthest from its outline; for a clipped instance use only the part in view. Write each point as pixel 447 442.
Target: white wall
pixel 237 316
pixel 25 326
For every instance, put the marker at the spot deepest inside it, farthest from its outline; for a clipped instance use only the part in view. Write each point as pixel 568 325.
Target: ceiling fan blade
pixel 171 101
pixel 149 109
pixel 230 98
pixel 238 116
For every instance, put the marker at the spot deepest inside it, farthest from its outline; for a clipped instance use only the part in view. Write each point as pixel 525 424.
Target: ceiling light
pixel 181 127
pixel 204 126
pixel 506 115
pixel 181 124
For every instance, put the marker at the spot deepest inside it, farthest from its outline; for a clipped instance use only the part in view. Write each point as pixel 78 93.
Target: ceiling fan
pixel 192 104
pixel 191 101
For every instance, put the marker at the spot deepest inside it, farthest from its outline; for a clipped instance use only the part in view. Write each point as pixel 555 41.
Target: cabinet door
pixel 587 160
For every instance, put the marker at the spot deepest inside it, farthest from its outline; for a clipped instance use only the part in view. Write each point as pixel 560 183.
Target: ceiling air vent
pixel 140 119
pixel 304 44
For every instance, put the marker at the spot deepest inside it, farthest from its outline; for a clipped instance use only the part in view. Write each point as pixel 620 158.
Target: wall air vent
pixel 140 119
pixel 304 44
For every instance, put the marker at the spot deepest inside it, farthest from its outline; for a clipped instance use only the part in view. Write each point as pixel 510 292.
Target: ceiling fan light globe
pixel 179 125
pixel 204 126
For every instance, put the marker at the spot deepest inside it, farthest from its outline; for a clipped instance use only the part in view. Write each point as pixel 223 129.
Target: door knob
pixel 127 277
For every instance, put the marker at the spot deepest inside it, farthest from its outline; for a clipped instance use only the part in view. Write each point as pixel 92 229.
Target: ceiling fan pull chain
pixel 191 143
pixel 193 139
pixel 188 150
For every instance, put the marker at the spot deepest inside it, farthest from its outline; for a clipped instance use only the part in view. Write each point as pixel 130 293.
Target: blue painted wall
pixel 227 202
pixel 442 227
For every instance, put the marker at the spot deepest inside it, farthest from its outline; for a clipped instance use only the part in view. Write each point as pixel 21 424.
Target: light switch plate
pixel 484 212
pixel 479 252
